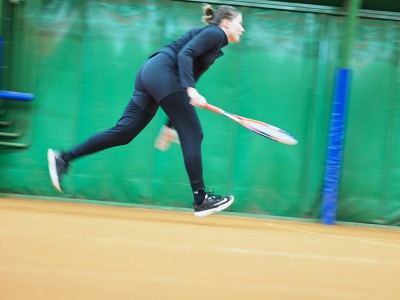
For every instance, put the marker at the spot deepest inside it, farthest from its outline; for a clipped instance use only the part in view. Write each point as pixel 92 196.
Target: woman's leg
pixel 184 118
pixel 132 122
pixel 126 129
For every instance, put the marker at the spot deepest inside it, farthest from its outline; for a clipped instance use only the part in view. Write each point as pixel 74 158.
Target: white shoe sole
pixel 214 210
pixel 51 158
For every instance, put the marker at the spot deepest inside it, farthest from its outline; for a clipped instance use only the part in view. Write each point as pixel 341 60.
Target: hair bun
pixel 215 17
pixel 208 13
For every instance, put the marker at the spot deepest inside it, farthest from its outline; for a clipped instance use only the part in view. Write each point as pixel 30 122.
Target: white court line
pixel 310 256
pixel 365 240
pixel 244 251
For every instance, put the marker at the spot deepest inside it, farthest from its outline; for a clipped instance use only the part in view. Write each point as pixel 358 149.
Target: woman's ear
pixel 225 23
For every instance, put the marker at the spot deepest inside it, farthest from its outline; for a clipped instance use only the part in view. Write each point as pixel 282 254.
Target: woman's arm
pixel 207 40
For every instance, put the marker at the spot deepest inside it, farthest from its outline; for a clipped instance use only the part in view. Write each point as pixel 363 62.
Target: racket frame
pixel 289 140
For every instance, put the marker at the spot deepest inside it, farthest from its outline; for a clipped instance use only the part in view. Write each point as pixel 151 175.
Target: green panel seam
pixel 316 97
pixel 350 30
pixel 77 102
pixel 392 130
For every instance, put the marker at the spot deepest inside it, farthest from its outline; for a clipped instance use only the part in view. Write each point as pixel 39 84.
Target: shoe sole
pixel 51 158
pixel 214 210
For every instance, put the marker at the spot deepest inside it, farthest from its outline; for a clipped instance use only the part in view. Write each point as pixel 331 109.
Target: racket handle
pixel 214 109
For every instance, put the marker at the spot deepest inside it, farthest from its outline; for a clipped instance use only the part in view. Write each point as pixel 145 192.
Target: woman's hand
pixel 195 98
pixel 164 139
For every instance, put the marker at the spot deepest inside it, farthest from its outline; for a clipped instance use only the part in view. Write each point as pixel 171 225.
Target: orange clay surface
pixel 60 250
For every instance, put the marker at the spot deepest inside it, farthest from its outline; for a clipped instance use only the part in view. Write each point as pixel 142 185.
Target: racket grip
pixel 214 108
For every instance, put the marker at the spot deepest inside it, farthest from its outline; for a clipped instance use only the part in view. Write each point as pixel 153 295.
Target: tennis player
pixel 168 80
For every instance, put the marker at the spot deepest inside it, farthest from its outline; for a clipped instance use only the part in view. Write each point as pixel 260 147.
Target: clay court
pixel 61 250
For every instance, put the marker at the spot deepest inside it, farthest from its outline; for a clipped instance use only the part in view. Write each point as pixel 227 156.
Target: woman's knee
pixel 195 137
pixel 123 132
pixel 193 159
pixel 125 139
pixel 125 135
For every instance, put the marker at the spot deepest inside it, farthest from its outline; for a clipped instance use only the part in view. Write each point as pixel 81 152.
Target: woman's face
pixel 234 29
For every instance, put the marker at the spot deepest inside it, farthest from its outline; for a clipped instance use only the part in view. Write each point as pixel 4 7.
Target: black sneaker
pixel 57 168
pixel 211 204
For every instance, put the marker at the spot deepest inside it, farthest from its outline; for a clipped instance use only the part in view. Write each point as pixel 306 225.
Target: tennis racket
pixel 261 128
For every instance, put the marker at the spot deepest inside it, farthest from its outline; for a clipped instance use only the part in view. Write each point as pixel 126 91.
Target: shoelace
pixel 214 197
pixel 211 196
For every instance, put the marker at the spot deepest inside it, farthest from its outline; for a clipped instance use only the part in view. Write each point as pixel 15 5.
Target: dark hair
pixel 214 17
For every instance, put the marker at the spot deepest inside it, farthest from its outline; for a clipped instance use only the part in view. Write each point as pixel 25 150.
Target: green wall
pixel 79 58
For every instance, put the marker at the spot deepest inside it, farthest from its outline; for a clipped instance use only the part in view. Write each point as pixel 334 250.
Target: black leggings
pixel 183 117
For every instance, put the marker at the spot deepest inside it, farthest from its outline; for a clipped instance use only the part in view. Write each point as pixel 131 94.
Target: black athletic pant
pixel 184 119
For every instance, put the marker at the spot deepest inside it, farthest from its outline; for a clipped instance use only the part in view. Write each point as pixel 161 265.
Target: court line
pixel 233 250
pixel 365 240
pixel 309 256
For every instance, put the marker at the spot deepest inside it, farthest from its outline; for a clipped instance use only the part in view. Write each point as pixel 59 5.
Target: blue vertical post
pixel 334 155
pixel 333 163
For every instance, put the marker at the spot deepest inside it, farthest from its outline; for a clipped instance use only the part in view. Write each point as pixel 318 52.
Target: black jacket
pixel 195 51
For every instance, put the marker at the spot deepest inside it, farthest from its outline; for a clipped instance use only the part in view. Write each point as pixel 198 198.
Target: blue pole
pixel 335 147
pixel 16 96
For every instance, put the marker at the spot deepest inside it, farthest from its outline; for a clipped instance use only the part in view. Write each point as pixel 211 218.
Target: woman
pixel 167 79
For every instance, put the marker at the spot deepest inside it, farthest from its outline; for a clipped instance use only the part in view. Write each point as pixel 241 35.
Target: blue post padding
pixel 16 95
pixel 333 161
